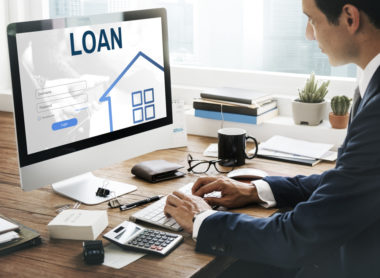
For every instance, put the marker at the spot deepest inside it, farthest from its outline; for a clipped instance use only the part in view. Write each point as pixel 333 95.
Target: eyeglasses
pixel 202 166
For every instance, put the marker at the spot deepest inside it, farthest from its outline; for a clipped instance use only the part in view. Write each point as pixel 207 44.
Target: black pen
pixel 139 203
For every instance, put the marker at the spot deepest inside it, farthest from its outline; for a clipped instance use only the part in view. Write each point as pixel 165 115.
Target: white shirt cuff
pixel 265 194
pixel 199 220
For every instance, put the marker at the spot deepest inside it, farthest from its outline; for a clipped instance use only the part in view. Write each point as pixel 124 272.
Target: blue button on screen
pixel 64 124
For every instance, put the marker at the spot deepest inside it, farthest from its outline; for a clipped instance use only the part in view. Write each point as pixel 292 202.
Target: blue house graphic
pixel 106 98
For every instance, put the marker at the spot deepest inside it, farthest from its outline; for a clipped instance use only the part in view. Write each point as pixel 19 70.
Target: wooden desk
pixel 58 258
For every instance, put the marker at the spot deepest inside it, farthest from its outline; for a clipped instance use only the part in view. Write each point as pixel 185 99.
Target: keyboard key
pixel 176 226
pixel 171 222
pixel 154 213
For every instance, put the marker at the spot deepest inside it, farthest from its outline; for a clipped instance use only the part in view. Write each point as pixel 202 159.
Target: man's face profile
pixel 331 38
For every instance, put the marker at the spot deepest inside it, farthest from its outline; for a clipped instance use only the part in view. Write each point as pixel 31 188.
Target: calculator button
pixel 153 247
pixel 159 248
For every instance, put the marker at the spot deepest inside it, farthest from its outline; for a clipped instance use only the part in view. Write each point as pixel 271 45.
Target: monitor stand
pixel 83 188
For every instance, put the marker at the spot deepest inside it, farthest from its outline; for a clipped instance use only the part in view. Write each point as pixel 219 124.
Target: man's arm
pixel 344 204
pixel 288 192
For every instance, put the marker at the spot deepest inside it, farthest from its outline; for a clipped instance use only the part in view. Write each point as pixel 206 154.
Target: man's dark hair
pixel 333 9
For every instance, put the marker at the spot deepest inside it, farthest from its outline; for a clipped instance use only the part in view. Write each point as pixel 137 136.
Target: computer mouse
pixel 247 173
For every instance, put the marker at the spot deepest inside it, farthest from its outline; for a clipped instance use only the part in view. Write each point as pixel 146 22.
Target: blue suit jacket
pixel 334 228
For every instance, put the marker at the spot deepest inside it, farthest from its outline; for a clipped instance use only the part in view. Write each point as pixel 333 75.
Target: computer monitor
pixel 88 92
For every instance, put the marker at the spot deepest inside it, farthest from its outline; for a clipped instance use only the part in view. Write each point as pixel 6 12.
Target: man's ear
pixel 351 18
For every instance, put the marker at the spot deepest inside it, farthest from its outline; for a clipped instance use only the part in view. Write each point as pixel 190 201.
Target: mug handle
pixel 256 149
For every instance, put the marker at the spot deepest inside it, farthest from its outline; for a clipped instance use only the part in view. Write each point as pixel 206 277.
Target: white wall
pixel 13 11
pixel 5 76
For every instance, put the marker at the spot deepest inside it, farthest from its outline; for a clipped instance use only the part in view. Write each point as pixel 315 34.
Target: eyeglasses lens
pixel 200 167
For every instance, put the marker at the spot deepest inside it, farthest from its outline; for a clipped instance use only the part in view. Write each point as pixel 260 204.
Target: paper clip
pixel 102 191
pixel 114 202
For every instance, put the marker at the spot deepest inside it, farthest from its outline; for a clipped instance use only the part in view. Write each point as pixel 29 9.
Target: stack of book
pixel 235 105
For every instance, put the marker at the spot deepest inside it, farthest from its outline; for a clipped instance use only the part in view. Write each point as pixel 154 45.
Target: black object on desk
pixel 93 252
pixel 139 203
pixel 157 170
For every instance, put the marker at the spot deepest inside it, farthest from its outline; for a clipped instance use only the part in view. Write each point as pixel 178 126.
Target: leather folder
pixel 157 170
pixel 28 238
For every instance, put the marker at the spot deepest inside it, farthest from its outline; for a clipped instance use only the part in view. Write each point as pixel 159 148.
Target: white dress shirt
pixel 368 73
pixel 263 189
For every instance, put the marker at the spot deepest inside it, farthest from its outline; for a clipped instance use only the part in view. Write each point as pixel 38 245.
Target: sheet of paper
pixel 9 236
pixel 295 146
pixel 329 156
pixel 277 153
pixel 116 257
pixel 211 151
pixel 6 226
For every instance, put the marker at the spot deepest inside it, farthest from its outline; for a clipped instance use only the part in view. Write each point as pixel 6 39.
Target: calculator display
pixel 126 232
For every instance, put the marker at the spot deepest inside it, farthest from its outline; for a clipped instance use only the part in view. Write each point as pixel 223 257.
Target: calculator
pixel 129 235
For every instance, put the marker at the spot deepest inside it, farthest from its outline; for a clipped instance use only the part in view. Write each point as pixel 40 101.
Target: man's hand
pixel 234 194
pixel 183 208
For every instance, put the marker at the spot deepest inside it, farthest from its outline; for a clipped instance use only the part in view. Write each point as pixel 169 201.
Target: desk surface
pixel 57 258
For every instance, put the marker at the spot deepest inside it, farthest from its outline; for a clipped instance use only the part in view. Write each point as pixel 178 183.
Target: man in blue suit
pixel 333 229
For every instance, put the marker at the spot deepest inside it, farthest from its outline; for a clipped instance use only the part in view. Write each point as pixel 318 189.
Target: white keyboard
pixel 154 213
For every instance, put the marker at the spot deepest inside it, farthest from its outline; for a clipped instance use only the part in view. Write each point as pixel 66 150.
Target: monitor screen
pixel 86 81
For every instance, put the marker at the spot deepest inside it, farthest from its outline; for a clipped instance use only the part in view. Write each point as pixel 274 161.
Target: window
pixel 264 35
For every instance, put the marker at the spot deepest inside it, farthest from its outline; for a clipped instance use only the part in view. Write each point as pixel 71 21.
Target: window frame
pixel 193 80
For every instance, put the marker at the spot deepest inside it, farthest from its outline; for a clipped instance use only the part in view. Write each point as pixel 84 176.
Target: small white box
pixel 78 224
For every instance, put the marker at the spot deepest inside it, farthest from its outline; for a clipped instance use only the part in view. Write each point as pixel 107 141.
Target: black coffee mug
pixel 231 146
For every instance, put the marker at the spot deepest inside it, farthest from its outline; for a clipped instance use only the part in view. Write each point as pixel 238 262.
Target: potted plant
pixel 309 108
pixel 339 116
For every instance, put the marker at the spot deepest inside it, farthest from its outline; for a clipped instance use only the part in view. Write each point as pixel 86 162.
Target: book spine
pixel 226 108
pixel 226 116
pixel 226 98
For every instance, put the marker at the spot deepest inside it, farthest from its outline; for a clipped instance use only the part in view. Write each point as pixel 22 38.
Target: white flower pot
pixel 308 113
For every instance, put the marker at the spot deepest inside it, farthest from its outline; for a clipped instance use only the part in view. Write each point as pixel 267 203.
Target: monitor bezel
pixel 26 159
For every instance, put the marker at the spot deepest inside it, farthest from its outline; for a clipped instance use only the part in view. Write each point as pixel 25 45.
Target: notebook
pixel 28 238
